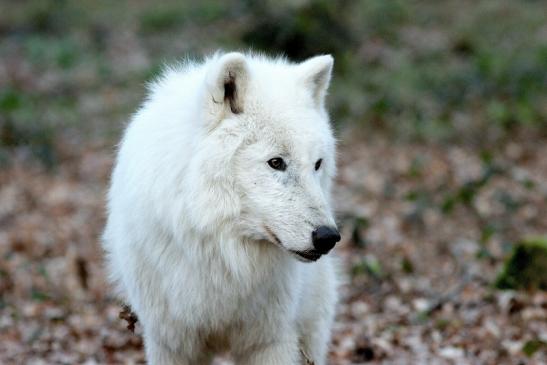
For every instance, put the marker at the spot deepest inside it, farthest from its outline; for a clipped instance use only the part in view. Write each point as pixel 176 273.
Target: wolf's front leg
pixel 283 352
pixel 157 354
pixel 314 344
pixel 160 354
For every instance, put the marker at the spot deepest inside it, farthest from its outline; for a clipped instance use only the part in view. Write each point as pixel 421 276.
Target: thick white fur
pixel 193 209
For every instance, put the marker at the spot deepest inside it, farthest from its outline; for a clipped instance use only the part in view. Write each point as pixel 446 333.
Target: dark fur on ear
pixel 230 94
pixel 227 83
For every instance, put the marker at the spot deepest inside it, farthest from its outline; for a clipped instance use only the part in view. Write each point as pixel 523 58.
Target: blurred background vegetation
pixel 463 71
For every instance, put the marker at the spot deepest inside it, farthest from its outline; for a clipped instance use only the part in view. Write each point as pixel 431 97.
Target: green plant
pixel 526 266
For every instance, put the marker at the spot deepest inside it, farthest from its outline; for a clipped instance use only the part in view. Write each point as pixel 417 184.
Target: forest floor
pixel 417 260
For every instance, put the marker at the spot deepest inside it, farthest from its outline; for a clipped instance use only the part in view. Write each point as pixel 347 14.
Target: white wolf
pixel 219 213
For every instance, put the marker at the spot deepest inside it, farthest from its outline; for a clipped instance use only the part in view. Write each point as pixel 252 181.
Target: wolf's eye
pixel 277 163
pixel 318 164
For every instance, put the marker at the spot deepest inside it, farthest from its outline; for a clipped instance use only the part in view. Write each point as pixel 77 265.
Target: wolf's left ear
pixel 227 82
pixel 316 73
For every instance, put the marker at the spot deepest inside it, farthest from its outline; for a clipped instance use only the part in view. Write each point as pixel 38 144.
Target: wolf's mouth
pixel 304 256
pixel 307 255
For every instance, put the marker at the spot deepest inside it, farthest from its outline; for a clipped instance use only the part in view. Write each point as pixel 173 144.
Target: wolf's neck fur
pixel 247 261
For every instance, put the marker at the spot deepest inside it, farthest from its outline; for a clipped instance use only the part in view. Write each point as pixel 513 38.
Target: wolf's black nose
pixel 324 238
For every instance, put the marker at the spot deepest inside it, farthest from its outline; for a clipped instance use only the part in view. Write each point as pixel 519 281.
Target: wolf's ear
pixel 227 82
pixel 316 73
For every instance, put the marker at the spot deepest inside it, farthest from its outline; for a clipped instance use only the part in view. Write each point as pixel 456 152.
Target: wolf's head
pixel 269 122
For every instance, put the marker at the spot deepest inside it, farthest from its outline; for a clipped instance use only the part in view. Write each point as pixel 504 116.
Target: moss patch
pixel 526 268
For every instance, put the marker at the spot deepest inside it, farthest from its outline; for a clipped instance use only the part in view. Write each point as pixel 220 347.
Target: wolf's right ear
pixel 227 82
